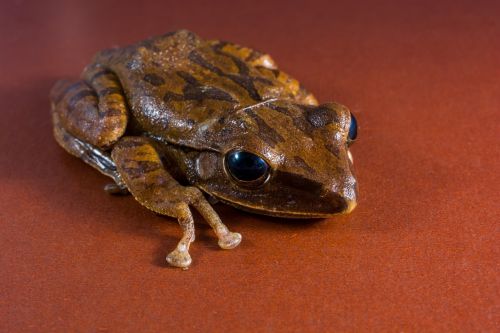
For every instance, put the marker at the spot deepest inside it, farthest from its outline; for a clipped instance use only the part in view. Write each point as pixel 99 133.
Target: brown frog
pixel 175 116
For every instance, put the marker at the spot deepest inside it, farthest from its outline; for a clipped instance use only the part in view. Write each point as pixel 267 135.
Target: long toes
pixel 230 240
pixel 180 259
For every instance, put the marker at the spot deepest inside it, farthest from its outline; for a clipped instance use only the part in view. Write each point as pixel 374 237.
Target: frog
pixel 181 122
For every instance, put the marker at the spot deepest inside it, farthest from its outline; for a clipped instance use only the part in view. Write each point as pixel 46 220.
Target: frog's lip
pixel 292 215
pixel 287 214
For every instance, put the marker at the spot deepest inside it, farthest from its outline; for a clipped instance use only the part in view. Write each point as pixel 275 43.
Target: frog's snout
pixel 341 197
pixel 349 195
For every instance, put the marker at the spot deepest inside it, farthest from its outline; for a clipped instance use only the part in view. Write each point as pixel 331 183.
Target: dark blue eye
pixel 246 167
pixel 353 129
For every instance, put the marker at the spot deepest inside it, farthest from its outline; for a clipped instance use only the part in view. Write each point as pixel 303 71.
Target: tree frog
pixel 176 120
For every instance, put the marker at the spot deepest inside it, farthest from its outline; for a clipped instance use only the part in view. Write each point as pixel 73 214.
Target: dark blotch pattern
pixel 243 79
pixel 150 45
pixel 200 93
pixel 298 121
pixel 154 79
pixel 267 133
pixel 194 91
pixel 333 149
pixel 141 169
pixel 99 74
pixel 109 91
pixel 299 182
pixel 110 113
pixel 303 164
pixel 78 97
pixel 320 116
pixel 148 166
pixel 130 144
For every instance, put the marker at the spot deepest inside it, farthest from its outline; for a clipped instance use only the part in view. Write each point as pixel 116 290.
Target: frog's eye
pixel 353 130
pixel 247 168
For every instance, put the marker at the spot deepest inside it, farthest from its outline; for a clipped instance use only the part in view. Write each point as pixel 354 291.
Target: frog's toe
pixel 180 259
pixel 113 188
pixel 230 240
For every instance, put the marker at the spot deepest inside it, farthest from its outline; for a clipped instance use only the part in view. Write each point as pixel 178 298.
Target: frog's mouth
pixel 312 207
pixel 284 214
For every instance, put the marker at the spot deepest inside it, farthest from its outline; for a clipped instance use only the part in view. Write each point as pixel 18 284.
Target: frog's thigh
pixel 143 173
pixel 93 111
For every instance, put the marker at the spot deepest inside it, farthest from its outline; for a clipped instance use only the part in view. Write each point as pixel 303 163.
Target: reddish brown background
pixel 420 253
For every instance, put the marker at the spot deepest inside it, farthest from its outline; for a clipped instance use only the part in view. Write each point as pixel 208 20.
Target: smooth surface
pixel 419 253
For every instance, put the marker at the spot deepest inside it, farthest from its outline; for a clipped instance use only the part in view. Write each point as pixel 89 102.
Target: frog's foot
pixel 179 258
pixel 227 239
pixel 230 240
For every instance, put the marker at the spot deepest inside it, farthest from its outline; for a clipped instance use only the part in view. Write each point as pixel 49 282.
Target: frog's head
pixel 283 159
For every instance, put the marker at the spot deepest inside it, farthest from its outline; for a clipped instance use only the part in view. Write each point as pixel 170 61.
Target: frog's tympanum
pixel 176 121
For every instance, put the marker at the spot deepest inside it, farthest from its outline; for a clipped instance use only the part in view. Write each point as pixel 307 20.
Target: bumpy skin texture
pixel 166 111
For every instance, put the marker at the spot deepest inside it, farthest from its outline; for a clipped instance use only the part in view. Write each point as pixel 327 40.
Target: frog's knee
pixel 193 194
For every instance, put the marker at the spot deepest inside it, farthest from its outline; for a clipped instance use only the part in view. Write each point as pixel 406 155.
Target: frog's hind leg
pixel 94 109
pixel 142 171
pixel 89 116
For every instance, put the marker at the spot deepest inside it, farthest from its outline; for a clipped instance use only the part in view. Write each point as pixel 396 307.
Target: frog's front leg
pixel 142 171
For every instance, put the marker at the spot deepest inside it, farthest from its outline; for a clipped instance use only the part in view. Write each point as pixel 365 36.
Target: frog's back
pixel 180 87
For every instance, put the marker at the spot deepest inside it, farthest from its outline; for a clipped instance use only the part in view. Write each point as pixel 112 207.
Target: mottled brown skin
pixel 159 117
